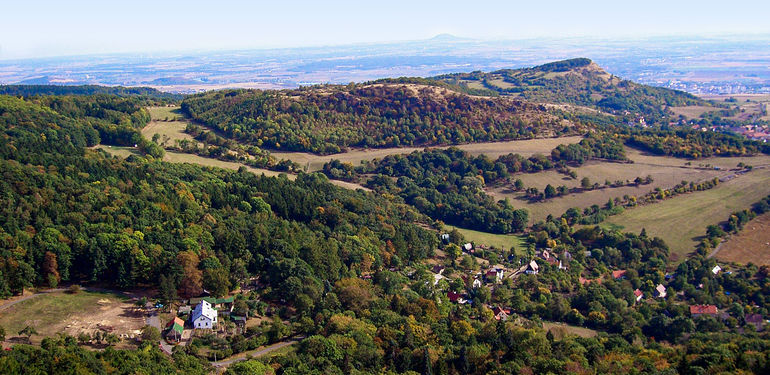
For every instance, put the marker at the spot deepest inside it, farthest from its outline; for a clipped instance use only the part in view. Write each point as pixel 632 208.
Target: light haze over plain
pixel 39 28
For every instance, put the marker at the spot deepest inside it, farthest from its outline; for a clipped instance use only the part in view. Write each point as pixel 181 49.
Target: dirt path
pixel 257 352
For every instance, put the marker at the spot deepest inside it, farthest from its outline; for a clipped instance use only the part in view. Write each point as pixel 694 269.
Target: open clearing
pixel 560 330
pixel 180 157
pixel 169 130
pixel 693 111
pixel 494 150
pixel 681 221
pixel 752 244
pixel 665 171
pixel 500 241
pixel 56 312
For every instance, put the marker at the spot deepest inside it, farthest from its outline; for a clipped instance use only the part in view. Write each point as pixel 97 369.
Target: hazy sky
pixel 30 28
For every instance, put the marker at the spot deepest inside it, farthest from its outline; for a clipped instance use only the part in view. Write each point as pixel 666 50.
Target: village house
pixel 716 269
pixel 495 275
pixel 175 329
pixel 204 316
pixel 698 310
pixel 619 274
pixel 501 314
pixel 638 295
pixel 468 247
pixel 532 268
pixel 456 298
pixel 660 291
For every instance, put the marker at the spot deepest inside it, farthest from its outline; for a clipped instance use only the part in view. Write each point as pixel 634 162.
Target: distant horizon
pixel 47 28
pixel 196 51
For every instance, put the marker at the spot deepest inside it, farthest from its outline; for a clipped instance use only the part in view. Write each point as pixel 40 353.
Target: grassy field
pixel 665 171
pixel 527 147
pixel 693 111
pixel 681 221
pixel 179 157
pixel 170 130
pixel 560 330
pixel 499 241
pixel 58 312
pixel 752 244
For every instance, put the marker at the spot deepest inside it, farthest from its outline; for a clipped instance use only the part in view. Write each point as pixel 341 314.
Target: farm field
pixel 499 241
pixel 752 244
pixel 681 221
pixel 665 171
pixel 56 312
pixel 526 147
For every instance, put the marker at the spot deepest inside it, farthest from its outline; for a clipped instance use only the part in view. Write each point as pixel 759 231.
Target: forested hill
pixel 330 119
pixel 33 90
pixel 578 82
pixel 75 215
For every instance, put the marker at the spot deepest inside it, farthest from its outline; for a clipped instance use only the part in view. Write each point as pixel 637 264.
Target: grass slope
pixel 752 244
pixel 681 221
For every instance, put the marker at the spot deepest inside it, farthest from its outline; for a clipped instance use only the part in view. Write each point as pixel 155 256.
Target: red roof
pixel 703 309
pixel 618 274
pixel 638 293
pixel 453 296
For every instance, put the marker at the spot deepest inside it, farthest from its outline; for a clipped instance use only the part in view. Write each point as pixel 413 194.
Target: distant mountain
pixel 578 82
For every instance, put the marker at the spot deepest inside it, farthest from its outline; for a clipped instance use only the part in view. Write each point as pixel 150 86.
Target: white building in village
pixel 204 316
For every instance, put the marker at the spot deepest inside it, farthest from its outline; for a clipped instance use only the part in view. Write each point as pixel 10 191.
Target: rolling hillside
pixel 331 119
pixel 577 82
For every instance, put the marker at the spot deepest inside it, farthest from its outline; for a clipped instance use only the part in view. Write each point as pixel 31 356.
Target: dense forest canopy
pixel 330 119
pixel 39 90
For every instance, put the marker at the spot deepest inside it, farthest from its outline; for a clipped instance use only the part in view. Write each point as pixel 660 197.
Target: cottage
pixel 660 291
pixel 619 274
pixel 495 275
pixel 204 316
pixel 716 269
pixel 698 310
pixel 476 283
pixel 439 269
pixel 532 268
pixel 468 247
pixel 240 321
pixel 175 329
pixel 445 237
pixel 501 314
pixel 638 295
pixel 456 298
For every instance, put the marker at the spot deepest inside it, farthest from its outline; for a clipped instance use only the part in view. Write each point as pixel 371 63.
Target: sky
pixel 40 28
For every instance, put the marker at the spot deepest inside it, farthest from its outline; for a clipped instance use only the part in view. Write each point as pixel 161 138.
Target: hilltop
pixel 578 81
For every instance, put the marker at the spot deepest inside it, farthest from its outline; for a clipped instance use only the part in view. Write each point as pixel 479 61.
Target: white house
pixel 532 268
pixel 660 291
pixel 204 316
pixel 716 270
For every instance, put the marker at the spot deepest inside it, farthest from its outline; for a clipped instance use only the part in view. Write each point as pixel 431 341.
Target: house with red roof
pixel 698 310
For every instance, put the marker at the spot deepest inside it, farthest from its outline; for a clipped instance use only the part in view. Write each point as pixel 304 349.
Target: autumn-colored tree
pixel 51 269
pixel 191 283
